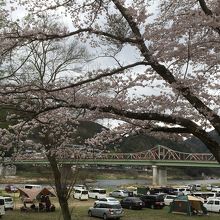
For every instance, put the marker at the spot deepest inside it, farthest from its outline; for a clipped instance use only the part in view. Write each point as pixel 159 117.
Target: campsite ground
pixel 80 208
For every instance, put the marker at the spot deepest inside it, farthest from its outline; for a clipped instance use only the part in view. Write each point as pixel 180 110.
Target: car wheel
pixel 89 213
pixel 105 217
pixel 96 197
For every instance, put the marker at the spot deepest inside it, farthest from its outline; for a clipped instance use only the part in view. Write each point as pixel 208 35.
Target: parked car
pixel 33 186
pixel 2 206
pixel 119 193
pixel 212 205
pixel 106 211
pixel 9 203
pixel 181 191
pixel 198 187
pixel 216 189
pixel 153 201
pixel 97 193
pixel 108 200
pixel 132 203
pixel 81 194
pixel 209 187
pixel 168 199
pixel 79 186
pixel 11 189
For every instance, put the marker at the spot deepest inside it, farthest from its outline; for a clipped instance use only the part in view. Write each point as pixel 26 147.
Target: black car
pixel 132 203
pixel 153 201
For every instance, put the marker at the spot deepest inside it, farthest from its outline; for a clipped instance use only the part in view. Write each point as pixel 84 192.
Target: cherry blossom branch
pixel 40 36
pixel 24 89
pixel 208 12
pixel 166 74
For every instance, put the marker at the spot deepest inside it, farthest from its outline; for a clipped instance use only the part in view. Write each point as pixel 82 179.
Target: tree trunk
pixel 61 189
pixel 64 207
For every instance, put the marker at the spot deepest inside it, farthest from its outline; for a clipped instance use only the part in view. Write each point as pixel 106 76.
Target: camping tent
pixel 188 205
pixel 31 195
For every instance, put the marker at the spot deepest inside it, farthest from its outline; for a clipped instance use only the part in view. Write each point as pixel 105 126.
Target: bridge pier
pixel 159 175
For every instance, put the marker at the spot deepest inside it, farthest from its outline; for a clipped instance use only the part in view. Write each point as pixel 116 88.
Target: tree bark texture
pixel 61 189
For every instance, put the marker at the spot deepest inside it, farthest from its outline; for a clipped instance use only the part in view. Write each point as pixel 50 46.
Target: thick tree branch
pixel 186 124
pixel 166 74
pixel 208 12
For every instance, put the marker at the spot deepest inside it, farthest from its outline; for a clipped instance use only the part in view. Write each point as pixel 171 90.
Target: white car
pixel 2 206
pixel 168 199
pixel 81 194
pixel 108 200
pixel 181 191
pixel 9 203
pixel 216 189
pixel 97 193
pixel 212 205
pixel 79 187
pixel 119 193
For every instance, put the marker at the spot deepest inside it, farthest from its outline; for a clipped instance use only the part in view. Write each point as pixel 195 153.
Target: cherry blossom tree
pixel 175 48
pixel 43 64
pixel 56 136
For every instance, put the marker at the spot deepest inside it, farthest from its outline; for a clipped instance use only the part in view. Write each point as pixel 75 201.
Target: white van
pixel 9 203
pixel 79 187
pixel 2 206
pixel 213 205
pixel 81 194
pixel 32 186
pixel 181 191
pixel 206 195
pixel 97 193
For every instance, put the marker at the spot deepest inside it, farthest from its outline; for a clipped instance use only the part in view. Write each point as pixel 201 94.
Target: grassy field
pixel 79 212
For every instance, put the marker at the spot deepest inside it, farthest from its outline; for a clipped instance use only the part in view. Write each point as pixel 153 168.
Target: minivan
pixel 106 211
pixel 97 193
pixel 32 186
pixel 2 206
pixel 181 191
pixel 81 194
pixel 212 205
pixel 9 203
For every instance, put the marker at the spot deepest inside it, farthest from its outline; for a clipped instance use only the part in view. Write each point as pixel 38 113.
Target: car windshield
pixel 84 192
pixel 8 199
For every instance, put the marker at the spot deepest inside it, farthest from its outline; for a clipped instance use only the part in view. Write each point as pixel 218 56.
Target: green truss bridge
pixel 159 158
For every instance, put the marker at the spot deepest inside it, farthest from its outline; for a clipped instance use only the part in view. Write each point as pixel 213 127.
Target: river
pixel 116 183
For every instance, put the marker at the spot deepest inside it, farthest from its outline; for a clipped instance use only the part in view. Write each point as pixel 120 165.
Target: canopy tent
pixel 31 195
pixel 187 205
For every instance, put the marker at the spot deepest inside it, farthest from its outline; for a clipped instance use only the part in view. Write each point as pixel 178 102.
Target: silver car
pixel 119 193
pixel 106 210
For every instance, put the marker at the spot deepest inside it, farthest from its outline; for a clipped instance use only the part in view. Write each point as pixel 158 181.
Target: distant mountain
pixel 144 142
pixel 84 130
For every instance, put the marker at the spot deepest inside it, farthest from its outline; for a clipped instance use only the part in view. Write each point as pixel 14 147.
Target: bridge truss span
pixel 157 153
